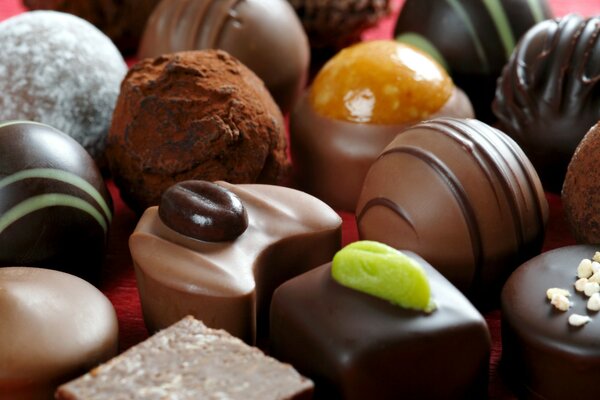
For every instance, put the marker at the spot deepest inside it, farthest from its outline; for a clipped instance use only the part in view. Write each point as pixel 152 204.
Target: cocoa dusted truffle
pixel 548 96
pixel 265 35
pixel 462 195
pixel 60 70
pixel 122 21
pixel 193 115
pixel 338 23
pixel 473 39
pixel 581 190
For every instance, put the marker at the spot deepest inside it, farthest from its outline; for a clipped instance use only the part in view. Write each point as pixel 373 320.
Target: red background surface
pixel 118 280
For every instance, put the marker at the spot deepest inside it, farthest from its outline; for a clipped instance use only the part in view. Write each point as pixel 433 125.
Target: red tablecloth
pixel 118 281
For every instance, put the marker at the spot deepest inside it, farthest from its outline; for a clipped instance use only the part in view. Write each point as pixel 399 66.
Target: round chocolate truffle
pixel 581 190
pixel 122 21
pixel 60 70
pixel 193 115
pixel 54 207
pixel 54 327
pixel 356 105
pixel 473 39
pixel 543 353
pixel 548 96
pixel 463 196
pixel 265 35
pixel 338 23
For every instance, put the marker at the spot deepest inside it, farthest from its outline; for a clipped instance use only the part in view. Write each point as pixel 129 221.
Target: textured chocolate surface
pixel 463 196
pixel 190 361
pixel 229 284
pixel 331 157
pixel 55 210
pixel 356 346
pixel 54 327
pixel 475 38
pixel 548 358
pixel 549 94
pixel 581 190
pixel 265 35
pixel 338 23
pixel 60 70
pixel 193 115
pixel 121 20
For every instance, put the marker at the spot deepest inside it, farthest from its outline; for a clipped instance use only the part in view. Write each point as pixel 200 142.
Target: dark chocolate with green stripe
pixel 55 210
pixel 548 96
pixel 462 195
pixel 472 38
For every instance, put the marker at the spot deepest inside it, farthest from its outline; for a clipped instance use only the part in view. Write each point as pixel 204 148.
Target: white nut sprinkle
pixel 596 256
pixel 584 270
pixel 578 320
pixel 561 302
pixel 594 302
pixel 580 284
pixel 595 267
pixel 595 277
pixel 590 288
pixel 550 293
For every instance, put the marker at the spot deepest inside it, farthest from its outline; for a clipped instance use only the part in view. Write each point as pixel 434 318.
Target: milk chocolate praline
pixel 265 35
pixel 472 38
pixel 542 354
pixel 228 283
pixel 193 115
pixel 54 327
pixel 462 195
pixel 548 96
pixel 55 210
pixel 372 90
pixel 356 346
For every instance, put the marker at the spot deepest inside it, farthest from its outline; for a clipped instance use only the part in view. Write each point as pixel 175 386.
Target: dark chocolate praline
pixel 544 356
pixel 463 196
pixel 474 39
pixel 55 210
pixel 548 96
pixel 357 346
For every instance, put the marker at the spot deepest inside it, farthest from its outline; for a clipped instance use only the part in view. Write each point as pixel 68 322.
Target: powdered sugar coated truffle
pixel 60 70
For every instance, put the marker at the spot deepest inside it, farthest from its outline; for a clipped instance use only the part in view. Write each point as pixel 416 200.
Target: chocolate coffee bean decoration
pixel 204 211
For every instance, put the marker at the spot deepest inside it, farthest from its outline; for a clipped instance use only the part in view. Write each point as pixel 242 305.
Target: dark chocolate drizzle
pixel 392 206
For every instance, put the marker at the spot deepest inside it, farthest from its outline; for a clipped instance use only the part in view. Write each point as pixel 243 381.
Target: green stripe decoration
pixel 496 11
pixel 40 202
pixel 421 42
pixel 61 176
pixel 462 13
pixel 536 10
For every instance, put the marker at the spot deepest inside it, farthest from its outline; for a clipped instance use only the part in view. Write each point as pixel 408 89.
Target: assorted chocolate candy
pixel 55 210
pixel 548 96
pixel 463 196
pixel 473 39
pixel 185 264
pixel 265 35
pixel 357 104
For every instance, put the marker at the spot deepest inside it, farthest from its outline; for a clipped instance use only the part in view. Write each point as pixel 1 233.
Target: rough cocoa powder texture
pixel 193 115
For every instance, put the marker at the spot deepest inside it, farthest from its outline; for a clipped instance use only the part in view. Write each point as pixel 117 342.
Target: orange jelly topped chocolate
pixel 380 82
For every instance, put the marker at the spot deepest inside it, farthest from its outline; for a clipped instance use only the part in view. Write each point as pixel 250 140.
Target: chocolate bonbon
pixel 549 93
pixel 463 196
pixel 356 346
pixel 58 69
pixel 55 210
pixel 581 189
pixel 193 115
pixel 229 284
pixel 54 327
pixel 356 105
pixel 542 353
pixel 190 361
pixel 472 38
pixel 265 35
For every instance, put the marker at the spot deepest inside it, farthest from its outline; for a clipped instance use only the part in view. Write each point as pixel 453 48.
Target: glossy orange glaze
pixel 380 82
